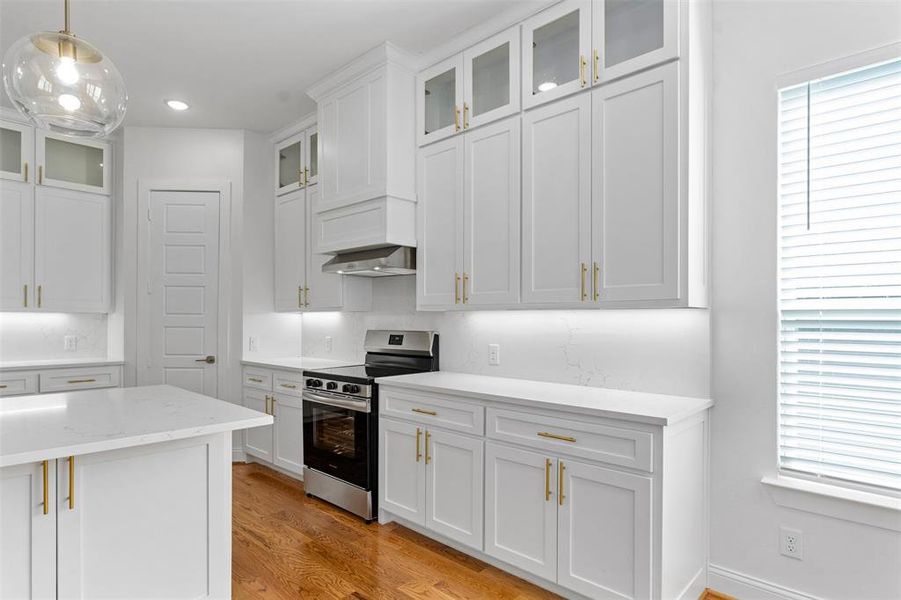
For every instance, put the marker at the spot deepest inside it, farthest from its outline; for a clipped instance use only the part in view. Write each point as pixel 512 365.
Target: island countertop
pixel 49 426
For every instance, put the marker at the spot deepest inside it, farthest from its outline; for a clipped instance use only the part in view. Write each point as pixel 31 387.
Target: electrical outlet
pixel 71 343
pixel 494 354
pixel 328 343
pixel 253 344
pixel 791 542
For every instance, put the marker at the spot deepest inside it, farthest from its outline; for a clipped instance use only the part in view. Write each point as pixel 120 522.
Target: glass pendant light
pixel 64 83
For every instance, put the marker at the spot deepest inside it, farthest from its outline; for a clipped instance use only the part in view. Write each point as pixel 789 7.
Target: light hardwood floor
pixel 286 545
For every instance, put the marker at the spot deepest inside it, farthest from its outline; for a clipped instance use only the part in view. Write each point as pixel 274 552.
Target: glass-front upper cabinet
pixel 630 35
pixel 439 99
pixel 290 164
pixel 16 151
pixel 491 86
pixel 311 168
pixel 73 163
pixel 556 48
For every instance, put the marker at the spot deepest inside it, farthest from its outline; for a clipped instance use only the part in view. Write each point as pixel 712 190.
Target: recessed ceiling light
pixel 177 104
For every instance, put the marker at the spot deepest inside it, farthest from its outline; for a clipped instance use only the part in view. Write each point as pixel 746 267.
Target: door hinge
pixel 149 217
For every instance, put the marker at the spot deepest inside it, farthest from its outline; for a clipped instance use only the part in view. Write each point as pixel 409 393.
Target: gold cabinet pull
pixel 40 174
pixel 465 115
pixel 40 295
pixel 596 285
pixel 465 281
pixel 82 381
pixel 25 295
pixel 418 436
pixel 556 436
pixel 306 177
pixel 45 467
pixel 266 404
pixel 299 177
pixel 290 386
pixel 428 436
pixel 456 118
pixel 3 386
pixel 597 65
pixel 456 288
pixel 299 297
pixel 306 297
pixel 71 482
pixel 422 411
pixel 560 495
pixel 272 401
pixel 584 269
pixel 255 379
pixel 547 479
pixel 25 171
pixel 582 64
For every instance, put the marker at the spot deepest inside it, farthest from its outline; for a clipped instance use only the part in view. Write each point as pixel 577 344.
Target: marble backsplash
pixel 41 336
pixel 664 351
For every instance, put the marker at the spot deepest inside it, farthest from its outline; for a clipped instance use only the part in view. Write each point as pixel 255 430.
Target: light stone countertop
pixel 57 363
pixel 297 363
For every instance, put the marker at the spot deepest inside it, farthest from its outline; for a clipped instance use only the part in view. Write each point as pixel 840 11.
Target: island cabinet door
pixel 521 509
pixel 28 526
pixel 454 474
pixel 604 531
pixel 258 440
pixel 402 470
pixel 150 521
pixel 288 446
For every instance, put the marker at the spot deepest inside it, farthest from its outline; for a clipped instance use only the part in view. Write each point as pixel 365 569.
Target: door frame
pixel 223 188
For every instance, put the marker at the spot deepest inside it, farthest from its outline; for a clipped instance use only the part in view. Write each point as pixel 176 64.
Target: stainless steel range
pixel 340 418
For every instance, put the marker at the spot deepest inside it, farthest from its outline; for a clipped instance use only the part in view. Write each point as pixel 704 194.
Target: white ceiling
pixel 240 64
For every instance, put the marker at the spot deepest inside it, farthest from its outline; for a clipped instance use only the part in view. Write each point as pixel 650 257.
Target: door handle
pixel 210 360
pixel 547 479
pixel 418 437
pixel 560 496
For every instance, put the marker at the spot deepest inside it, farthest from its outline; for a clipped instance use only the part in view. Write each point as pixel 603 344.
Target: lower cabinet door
pixel 288 446
pixel 151 518
pixel 454 486
pixel 402 470
pixel 258 441
pixel 521 509
pixel 604 532
pixel 28 540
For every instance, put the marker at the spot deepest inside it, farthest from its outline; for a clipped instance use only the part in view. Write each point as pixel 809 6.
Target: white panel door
pixel 454 491
pixel 16 246
pixel 184 290
pixel 521 509
pixel 72 250
pixel 16 152
pixel 635 199
pixel 258 440
pixel 491 214
pixel 324 290
pixel 402 470
pixel 604 532
pixel 290 250
pixel 28 540
pixel 288 445
pixel 630 35
pixel 556 201
pixel 146 518
pixel 440 215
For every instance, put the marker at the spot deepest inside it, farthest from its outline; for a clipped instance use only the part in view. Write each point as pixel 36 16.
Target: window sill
pixel 834 501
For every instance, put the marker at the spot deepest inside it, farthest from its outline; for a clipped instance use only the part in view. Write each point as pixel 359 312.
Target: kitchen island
pixel 122 492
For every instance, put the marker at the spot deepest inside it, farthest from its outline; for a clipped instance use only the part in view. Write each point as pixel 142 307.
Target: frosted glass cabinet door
pixel 311 174
pixel 16 151
pixel 439 100
pixel 75 164
pixel 289 164
pixel 630 35
pixel 492 79
pixel 556 46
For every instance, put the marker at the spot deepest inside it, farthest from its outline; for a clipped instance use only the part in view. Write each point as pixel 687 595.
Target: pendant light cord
pixel 66 17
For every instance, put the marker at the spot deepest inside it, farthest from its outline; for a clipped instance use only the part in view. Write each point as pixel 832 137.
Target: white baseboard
pixel 747 587
pixel 238 455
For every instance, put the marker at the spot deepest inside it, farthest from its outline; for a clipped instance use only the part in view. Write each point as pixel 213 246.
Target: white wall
pixel 755 43
pixel 650 350
pixel 41 336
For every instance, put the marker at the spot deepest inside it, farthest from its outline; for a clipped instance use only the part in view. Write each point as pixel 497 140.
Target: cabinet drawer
pixel 67 380
pixel 593 441
pixel 431 409
pixel 288 383
pixel 14 384
pixel 258 379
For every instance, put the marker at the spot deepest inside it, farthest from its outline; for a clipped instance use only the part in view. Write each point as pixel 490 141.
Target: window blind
pixel 840 277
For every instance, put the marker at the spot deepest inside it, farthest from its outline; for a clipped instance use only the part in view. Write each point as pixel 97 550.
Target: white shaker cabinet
pixel 556 202
pixel 439 97
pixel 28 523
pixel 282 442
pixel 630 35
pixel 258 440
pixel 78 164
pixel 290 160
pixel 288 440
pixel 402 470
pixel 16 246
pixel 453 486
pixel 290 250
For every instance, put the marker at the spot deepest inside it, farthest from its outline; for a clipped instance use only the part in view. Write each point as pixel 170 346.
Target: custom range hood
pixel 378 262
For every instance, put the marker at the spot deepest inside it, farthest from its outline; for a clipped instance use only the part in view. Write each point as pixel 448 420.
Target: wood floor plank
pixel 286 545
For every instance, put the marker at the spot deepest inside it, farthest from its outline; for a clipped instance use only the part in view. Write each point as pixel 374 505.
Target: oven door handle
pixel 355 405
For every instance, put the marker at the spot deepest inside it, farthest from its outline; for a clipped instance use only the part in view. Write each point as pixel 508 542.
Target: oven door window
pixel 336 442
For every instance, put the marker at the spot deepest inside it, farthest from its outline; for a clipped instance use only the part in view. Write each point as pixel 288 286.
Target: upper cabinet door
pixel 290 251
pixel 492 87
pixel 290 164
pixel 72 251
pixel 16 246
pixel 311 167
pixel 322 290
pixel 439 100
pixel 556 47
pixel 630 35
pixel 491 215
pixel 16 151
pixel 556 202
pixel 635 193
pixel 73 163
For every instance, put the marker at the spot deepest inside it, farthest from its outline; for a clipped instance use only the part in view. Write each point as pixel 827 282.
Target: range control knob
pixel 309 382
pixel 331 385
pixel 351 388
pixel 314 383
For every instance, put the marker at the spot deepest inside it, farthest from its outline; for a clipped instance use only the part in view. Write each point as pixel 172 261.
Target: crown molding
pixel 383 54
